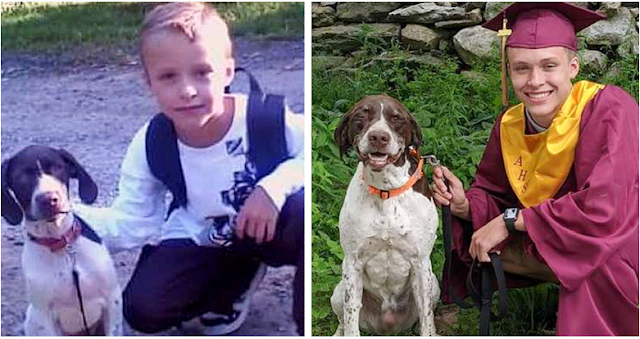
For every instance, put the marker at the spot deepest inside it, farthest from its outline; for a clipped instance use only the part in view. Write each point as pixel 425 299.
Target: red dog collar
pixel 55 244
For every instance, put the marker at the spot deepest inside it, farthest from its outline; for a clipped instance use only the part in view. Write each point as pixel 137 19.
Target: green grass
pixel 456 111
pixel 58 26
pixel 42 26
pixel 274 19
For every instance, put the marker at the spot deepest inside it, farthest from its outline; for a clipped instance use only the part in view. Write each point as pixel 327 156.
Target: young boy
pixel 201 258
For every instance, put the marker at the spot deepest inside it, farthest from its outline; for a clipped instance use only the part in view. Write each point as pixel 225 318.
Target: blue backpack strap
pixel 164 159
pixel 254 87
pixel 265 129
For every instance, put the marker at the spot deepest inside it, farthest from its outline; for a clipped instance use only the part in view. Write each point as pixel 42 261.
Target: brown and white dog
pixel 388 225
pixel 70 278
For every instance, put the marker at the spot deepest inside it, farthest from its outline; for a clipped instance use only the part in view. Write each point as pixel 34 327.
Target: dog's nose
pixel 48 200
pixel 379 139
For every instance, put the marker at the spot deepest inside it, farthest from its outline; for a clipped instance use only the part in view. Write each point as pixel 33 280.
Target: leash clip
pixel 71 252
pixel 431 160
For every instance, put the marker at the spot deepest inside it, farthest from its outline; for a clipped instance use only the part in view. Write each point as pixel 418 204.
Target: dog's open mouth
pixel 377 160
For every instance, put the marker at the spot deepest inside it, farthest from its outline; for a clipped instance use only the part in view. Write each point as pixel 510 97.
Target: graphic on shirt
pixel 244 182
pixel 234 147
pixel 221 230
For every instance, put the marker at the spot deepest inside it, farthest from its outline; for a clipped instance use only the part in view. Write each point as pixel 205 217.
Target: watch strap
pixel 510 218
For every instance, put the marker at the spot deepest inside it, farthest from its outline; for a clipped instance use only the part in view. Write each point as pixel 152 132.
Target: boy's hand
pixel 453 195
pixel 487 237
pixel 257 218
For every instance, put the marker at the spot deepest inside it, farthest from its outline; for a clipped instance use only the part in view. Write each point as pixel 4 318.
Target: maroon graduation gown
pixel 587 234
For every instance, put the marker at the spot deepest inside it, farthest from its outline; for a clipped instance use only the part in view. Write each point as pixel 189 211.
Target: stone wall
pixel 433 28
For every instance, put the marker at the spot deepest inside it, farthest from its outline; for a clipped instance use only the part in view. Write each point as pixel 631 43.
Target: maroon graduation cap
pixel 540 25
pixel 544 24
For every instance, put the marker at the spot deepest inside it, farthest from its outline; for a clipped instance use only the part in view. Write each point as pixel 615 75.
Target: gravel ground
pixel 93 109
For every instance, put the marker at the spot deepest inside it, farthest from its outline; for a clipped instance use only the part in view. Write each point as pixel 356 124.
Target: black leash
pixel 76 282
pixel 447 235
pixel 483 300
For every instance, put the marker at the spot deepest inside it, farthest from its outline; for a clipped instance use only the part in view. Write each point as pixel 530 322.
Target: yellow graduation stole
pixel 538 164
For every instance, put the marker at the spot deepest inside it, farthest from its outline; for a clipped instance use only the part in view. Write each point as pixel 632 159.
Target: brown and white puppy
pixel 387 281
pixel 35 192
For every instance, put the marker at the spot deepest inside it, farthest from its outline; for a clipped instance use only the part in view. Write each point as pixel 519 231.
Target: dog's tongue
pixel 378 159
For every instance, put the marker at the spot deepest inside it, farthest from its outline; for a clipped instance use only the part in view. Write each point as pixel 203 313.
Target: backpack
pixel 266 139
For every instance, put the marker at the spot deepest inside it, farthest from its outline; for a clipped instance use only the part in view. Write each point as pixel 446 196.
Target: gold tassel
pixel 504 33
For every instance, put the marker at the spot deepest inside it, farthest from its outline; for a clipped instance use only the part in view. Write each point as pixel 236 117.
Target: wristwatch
pixel 510 216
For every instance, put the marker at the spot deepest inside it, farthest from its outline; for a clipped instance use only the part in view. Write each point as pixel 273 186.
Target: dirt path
pixel 93 111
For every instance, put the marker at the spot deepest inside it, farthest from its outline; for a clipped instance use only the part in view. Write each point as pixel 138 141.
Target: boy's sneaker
pixel 220 324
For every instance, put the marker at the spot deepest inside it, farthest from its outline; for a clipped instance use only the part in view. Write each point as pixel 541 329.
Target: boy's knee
pixel 144 314
pixel 289 241
pixel 293 209
pixel 291 222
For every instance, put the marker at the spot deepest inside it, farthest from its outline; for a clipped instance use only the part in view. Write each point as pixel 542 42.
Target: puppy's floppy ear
pixel 416 134
pixel 341 134
pixel 11 211
pixel 87 187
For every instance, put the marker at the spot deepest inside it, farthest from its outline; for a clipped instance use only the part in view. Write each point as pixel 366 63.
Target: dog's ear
pixel 11 211
pixel 416 134
pixel 87 187
pixel 341 134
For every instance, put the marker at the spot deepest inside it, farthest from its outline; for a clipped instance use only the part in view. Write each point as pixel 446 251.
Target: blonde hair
pixel 187 18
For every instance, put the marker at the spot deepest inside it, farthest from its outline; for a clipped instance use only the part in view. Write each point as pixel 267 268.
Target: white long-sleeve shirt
pixel 216 177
